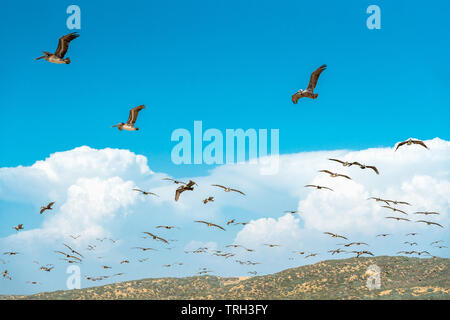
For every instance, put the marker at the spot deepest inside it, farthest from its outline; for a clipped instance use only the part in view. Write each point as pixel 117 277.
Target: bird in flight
pixel 411 243
pixel 73 251
pixel 430 223
pixel 395 209
pixel 359 253
pixel 410 142
pixel 363 166
pixel 209 224
pixel 174 181
pixel 435 242
pixel 270 245
pixel 383 235
pixel 47 268
pixel 426 212
pixel 412 234
pixel 47 207
pixel 75 237
pixel 291 211
pixel 231 221
pixel 311 255
pixel 335 175
pixel 145 193
pixel 398 202
pixel 63 46
pixel 334 235
pixel 317 187
pixel 166 227
pixel 309 92
pixel 379 200
pixel 333 252
pixel 187 187
pixel 344 163
pixel 209 199
pixel 398 219
pixel 144 249
pixel 11 253
pixel 19 227
pixel 68 256
pixel 355 244
pixel 156 237
pixel 129 126
pixel 227 189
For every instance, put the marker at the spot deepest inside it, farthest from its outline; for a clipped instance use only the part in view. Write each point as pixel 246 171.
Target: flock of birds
pixel 71 256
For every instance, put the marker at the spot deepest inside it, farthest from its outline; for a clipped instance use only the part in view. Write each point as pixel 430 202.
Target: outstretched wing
pixel 235 190
pixel 400 144
pixel 374 169
pixel 134 113
pixel 420 142
pixel 63 44
pixel 178 193
pixel 314 77
pixel 295 97
pixel 215 225
pixel 336 160
pixel 218 185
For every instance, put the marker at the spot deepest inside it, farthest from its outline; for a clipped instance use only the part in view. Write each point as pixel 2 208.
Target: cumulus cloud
pixel 85 183
pixel 93 193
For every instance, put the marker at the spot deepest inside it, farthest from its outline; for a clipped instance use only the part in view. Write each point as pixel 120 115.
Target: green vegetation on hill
pixel 401 278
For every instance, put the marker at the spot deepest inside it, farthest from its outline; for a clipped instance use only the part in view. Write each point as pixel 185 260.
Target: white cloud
pixel 93 194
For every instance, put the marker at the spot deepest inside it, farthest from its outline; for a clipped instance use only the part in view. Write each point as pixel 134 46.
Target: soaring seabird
pixel 63 46
pixel 309 92
pixel 129 126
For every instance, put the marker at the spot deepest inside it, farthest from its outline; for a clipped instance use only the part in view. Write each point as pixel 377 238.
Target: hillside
pixel 401 278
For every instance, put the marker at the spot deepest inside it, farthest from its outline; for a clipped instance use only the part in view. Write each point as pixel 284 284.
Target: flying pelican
pixel 430 223
pixel 309 92
pixel 19 227
pixel 395 209
pixel 318 187
pixel 335 175
pixel 129 126
pixel 48 207
pixel 358 253
pixel 227 189
pixel 209 224
pixel 187 187
pixel 63 46
pixel 334 235
pixel 210 199
pixel 379 200
pixel 156 237
pixel 425 212
pixel 145 193
pixel 174 181
pixel 363 166
pixel 398 219
pixel 398 202
pixel 410 142
pixel 344 163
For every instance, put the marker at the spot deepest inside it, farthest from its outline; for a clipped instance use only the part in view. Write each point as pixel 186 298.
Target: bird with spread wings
pixel 129 125
pixel 227 189
pixel 309 92
pixel 209 224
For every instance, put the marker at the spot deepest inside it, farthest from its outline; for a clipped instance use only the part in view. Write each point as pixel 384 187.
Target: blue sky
pixel 230 64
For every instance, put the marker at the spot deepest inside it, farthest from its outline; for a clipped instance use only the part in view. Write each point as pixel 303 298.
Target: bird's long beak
pixel 116 125
pixel 39 58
